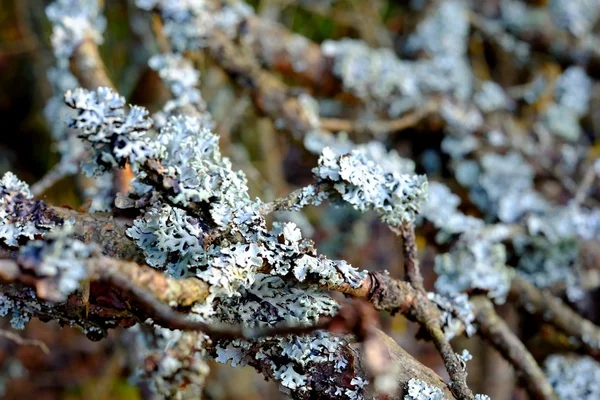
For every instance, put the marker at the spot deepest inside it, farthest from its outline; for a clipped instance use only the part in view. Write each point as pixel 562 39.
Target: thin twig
pixel 13 337
pixel 585 185
pixel 411 258
pixel 292 201
pixel 56 173
pixel 380 127
pixel 555 312
pixel 495 331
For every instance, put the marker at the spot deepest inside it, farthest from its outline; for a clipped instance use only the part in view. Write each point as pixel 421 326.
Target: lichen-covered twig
pixel 152 291
pixel 88 67
pixel 291 54
pixel 495 331
pixel 297 199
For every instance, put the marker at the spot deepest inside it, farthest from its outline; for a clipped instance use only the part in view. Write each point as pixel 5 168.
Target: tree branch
pixel 539 302
pixel 495 331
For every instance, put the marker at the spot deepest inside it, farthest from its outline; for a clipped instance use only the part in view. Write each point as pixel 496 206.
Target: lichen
pixel 441 209
pixel 456 313
pixel 115 135
pixel 58 262
pixel 21 217
pixel 359 181
pixel 474 263
pixel 420 390
pixel 573 378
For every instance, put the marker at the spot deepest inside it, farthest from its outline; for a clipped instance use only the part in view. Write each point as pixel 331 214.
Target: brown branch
pixel 389 294
pixel 495 331
pixel 88 67
pixel 540 302
pixel 271 96
pixel 151 291
pixel 409 120
pixel 103 229
pixel 291 54
pixel 412 268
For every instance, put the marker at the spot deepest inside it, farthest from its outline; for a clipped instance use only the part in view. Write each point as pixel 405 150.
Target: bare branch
pixel 21 341
pixel 411 258
pixel 495 331
pixel 539 302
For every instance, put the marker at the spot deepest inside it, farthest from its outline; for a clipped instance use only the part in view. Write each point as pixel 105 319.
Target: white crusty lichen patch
pixel 456 313
pixel 58 261
pixel 363 183
pixel 474 263
pixel 421 390
pixel 295 360
pixel 115 135
pixel 188 24
pixel 573 378
pixel 20 216
pixel 74 21
pixel 182 79
pixel 20 307
pixel 548 264
pixel 441 208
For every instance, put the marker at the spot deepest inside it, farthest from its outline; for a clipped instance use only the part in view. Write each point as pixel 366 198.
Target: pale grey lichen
pixel 420 390
pixel 571 103
pixel 462 119
pixel 290 359
pixel 441 209
pixel 491 97
pixel 566 222
pixel 58 262
pixel 508 184
pixel 474 263
pixel 549 264
pixel 182 79
pixel 188 24
pixel 576 16
pixel 456 313
pixel 361 182
pixel 465 355
pixel 21 306
pixel 379 78
pixel 573 378
pixel 172 362
pixel 74 21
pixel 444 32
pixel 209 227
pixel 169 237
pixel 116 135
pixel 20 216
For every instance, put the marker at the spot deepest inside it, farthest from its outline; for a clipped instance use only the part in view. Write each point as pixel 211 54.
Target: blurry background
pixel 77 368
